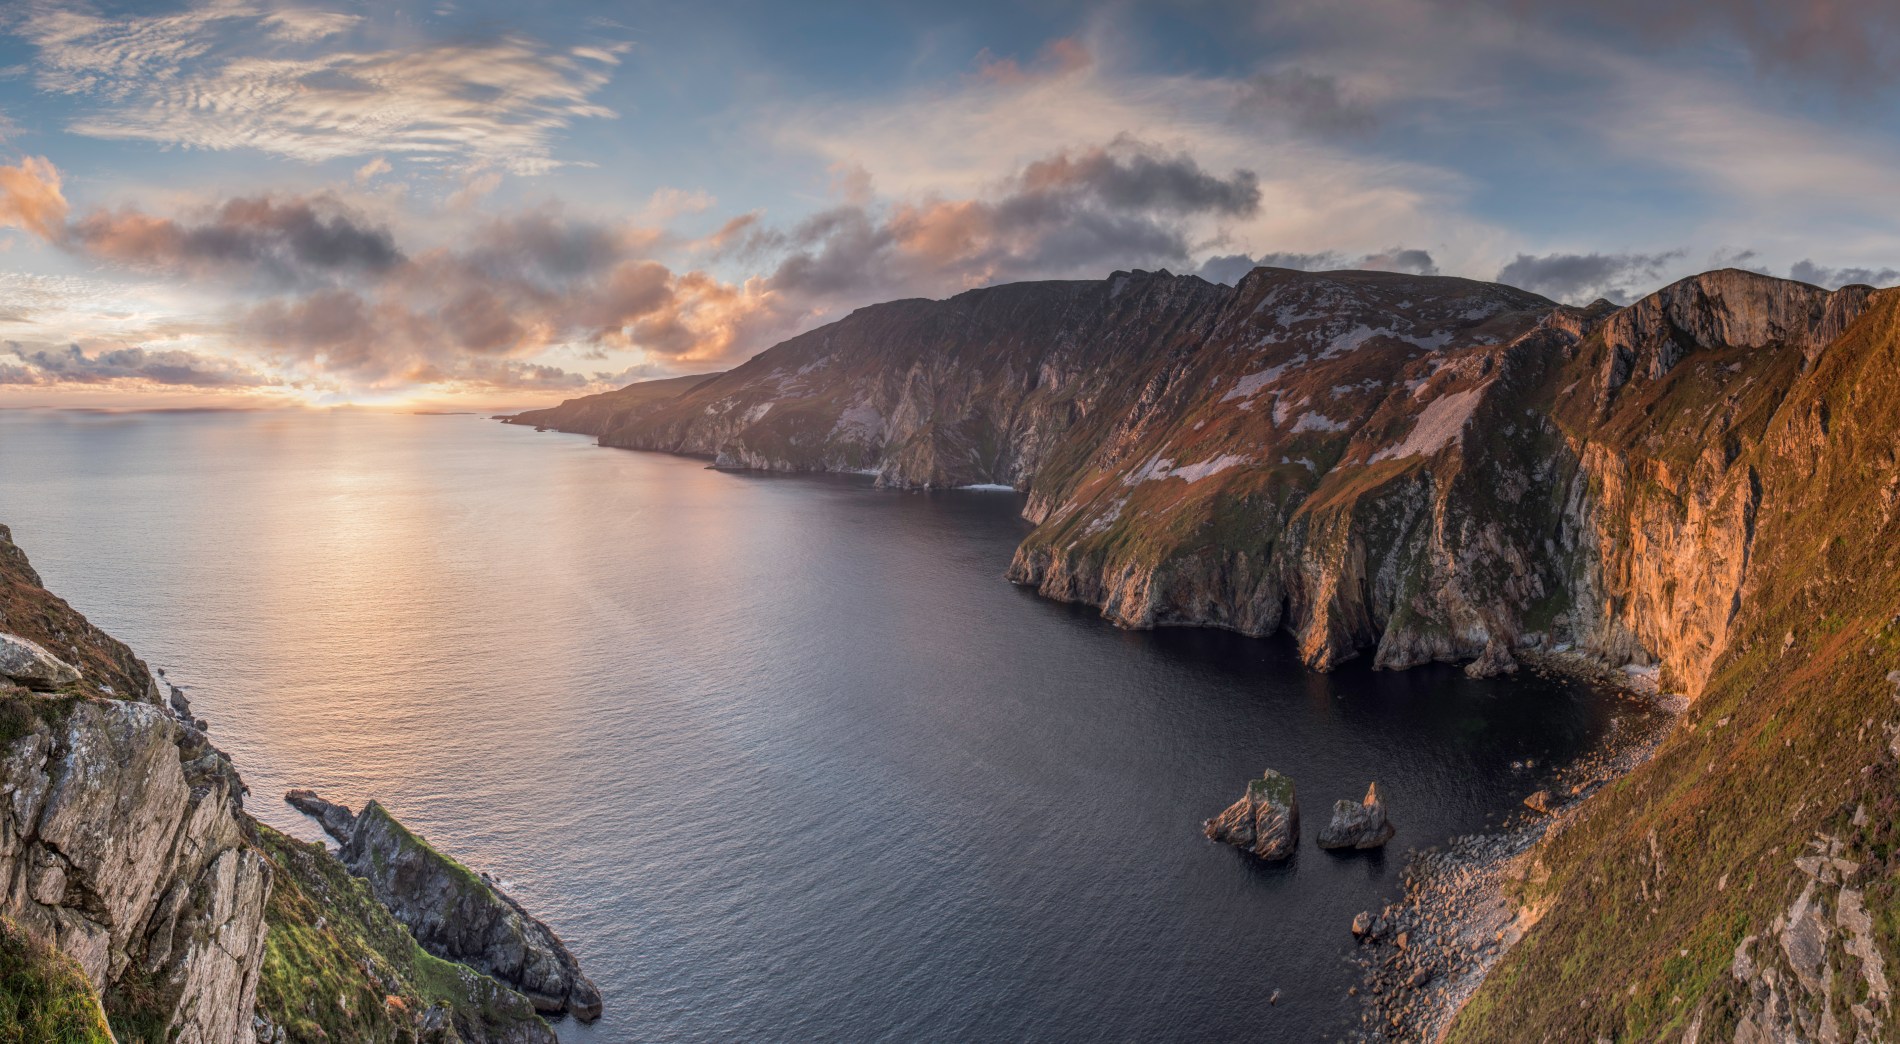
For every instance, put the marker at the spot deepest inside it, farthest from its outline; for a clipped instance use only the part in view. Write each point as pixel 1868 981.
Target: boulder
pixel 1362 924
pixel 1539 802
pixel 29 664
pixel 1358 824
pixel 1265 821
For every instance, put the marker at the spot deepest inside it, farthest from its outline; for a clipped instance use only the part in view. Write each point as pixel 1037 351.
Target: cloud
pixel 204 79
pixel 302 25
pixel 30 198
pixel 1306 101
pixel 1229 268
pixel 1849 44
pixel 280 241
pixel 1809 272
pixel 1582 278
pixel 372 170
pixel 1400 259
pixel 126 366
pixel 1075 212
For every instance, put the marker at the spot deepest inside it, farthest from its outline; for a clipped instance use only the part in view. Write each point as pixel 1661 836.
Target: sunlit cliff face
pixel 216 202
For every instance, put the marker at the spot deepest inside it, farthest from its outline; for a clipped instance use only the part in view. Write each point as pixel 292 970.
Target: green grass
pixel 338 967
pixel 44 997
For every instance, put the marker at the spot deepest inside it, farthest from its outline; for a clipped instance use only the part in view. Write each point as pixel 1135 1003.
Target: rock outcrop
pixel 1265 821
pixel 25 663
pixel 122 834
pixel 455 914
pixel 1358 824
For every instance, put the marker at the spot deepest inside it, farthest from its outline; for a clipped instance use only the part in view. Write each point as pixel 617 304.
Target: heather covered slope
pixel 1745 883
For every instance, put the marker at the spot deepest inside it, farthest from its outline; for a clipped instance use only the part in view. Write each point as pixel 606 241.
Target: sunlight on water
pixel 782 758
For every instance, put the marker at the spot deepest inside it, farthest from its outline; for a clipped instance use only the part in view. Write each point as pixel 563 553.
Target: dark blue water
pixel 783 759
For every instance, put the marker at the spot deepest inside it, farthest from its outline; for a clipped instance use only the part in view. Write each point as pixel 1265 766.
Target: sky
pixel 489 205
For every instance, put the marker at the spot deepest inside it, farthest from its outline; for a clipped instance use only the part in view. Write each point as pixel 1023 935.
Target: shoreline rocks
pixel 1358 825
pixel 1265 821
pixel 454 913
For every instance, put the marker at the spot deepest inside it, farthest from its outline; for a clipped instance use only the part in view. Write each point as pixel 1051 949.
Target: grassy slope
pixel 1650 893
pixel 44 997
pixel 339 967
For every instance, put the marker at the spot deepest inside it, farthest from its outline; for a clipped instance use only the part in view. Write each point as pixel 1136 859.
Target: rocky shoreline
pixel 1426 954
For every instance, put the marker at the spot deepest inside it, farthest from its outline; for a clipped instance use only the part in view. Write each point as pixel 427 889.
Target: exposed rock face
pixel 455 914
pixel 25 662
pixel 1359 824
pixel 1429 468
pixel 1265 821
pixel 122 843
pixel 122 835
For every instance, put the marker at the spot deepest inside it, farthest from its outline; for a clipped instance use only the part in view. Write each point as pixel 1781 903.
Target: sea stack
pixel 1359 824
pixel 1265 821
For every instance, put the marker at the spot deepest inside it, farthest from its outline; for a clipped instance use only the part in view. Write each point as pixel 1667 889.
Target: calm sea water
pixel 782 758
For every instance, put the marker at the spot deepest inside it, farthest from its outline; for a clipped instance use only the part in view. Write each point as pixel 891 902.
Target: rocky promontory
pixel 1265 821
pixel 455 913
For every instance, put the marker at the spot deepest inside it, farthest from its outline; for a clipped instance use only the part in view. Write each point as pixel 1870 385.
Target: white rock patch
pixel 1439 425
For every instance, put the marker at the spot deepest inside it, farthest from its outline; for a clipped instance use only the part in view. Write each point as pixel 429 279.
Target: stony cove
pixel 1700 488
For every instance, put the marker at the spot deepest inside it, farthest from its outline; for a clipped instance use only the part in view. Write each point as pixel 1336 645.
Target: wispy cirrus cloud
pixel 222 76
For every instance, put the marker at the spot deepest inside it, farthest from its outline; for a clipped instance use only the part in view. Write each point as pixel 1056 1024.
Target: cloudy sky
pixel 459 202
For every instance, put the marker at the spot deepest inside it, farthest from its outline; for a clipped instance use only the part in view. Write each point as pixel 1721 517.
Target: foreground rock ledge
pixel 1265 821
pixel 454 913
pixel 1358 824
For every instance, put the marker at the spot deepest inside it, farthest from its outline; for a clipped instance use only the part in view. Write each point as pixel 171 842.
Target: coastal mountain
pixel 1702 485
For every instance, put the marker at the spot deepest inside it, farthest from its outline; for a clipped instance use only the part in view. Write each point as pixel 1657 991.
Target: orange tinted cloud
pixel 30 198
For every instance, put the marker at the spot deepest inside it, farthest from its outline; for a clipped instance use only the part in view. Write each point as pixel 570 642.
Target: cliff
pixel 122 837
pixel 453 912
pixel 136 887
pixel 594 414
pixel 1741 884
pixel 1705 482
pixel 1424 468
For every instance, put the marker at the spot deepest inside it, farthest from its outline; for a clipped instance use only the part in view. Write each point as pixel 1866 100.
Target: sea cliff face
pixel 122 837
pixel 1705 482
pixel 1421 468
pixel 126 850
